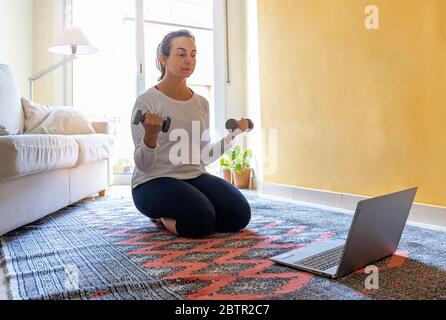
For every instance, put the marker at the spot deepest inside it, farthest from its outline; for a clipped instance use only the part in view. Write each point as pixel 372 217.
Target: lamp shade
pixel 72 41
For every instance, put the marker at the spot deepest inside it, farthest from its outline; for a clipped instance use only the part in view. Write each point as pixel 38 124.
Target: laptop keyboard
pixel 324 260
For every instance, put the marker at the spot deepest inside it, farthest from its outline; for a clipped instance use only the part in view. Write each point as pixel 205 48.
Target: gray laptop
pixel 374 234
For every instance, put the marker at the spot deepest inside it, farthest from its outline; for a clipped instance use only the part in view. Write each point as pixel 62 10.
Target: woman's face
pixel 182 59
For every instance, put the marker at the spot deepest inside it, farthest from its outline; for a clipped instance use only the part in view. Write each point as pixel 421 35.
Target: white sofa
pixel 42 173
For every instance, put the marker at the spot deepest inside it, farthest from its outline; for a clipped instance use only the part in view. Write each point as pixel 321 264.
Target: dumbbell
pixel 139 117
pixel 232 124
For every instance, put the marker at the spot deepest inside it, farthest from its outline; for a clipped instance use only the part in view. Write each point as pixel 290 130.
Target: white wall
pixel 253 89
pixel 230 98
pixel 16 39
pixel 43 38
pixel 236 103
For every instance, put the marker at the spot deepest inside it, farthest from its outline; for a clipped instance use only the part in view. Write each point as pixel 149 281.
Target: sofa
pixel 42 173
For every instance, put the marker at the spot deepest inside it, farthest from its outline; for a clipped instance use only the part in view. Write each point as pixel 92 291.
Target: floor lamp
pixel 72 42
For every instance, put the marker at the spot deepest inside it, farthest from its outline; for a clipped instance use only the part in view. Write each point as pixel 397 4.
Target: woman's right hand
pixel 153 123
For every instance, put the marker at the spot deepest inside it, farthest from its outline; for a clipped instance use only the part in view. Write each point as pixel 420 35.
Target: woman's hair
pixel 165 46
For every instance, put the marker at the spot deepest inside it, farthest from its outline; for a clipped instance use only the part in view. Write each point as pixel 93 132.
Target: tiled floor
pixel 120 191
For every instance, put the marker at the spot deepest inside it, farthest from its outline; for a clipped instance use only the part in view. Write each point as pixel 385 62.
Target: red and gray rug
pixel 105 249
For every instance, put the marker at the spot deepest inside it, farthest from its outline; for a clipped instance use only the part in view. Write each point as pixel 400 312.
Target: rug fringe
pixel 6 279
pixel 9 293
pixel 2 256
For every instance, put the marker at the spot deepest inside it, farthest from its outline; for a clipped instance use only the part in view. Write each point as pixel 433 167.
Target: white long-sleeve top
pixel 185 150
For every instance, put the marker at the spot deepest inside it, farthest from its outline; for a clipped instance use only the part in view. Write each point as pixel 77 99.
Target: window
pixel 105 84
pixel 194 15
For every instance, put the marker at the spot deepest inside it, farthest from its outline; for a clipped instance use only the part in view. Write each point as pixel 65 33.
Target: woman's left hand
pixel 243 124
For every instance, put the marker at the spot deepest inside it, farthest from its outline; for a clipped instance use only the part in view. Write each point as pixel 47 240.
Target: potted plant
pixel 122 166
pixel 225 164
pixel 240 164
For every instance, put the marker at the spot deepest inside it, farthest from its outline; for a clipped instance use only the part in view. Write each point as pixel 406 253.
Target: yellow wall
pixel 43 38
pixel 16 39
pixel 26 32
pixel 358 111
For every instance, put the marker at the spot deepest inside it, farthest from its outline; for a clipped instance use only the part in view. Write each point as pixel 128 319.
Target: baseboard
pixel 122 179
pixel 420 213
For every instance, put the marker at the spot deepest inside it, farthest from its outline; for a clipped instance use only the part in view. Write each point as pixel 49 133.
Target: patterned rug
pixel 105 249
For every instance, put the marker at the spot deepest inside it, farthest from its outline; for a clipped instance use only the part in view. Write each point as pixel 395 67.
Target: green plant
pixel 225 160
pixel 240 160
pixel 236 160
pixel 121 163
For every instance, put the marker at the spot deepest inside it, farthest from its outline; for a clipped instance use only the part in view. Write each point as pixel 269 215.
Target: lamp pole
pixel 46 71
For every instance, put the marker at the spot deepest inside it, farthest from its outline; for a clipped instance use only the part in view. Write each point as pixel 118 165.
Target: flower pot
pixel 241 180
pixel 227 175
pixel 118 170
pixel 127 169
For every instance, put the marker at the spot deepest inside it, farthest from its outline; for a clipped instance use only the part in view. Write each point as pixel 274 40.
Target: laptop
pixel 374 234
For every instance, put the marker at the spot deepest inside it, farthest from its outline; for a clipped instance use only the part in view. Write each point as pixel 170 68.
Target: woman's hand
pixel 243 124
pixel 153 124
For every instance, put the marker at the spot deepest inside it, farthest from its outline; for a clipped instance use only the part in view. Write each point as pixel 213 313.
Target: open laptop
pixel 374 234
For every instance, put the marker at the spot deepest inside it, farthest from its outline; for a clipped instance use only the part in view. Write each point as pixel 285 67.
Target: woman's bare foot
pixel 170 225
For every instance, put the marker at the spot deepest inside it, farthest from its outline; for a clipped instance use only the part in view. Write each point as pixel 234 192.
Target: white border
pixel 424 215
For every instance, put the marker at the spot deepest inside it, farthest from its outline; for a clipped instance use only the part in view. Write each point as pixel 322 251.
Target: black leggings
pixel 200 206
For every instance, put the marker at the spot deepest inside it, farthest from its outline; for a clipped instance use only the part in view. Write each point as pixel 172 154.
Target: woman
pixel 178 192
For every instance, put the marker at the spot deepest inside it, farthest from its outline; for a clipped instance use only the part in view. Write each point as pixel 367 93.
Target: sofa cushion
pixel 11 112
pixel 23 155
pixel 102 127
pixel 43 119
pixel 93 147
